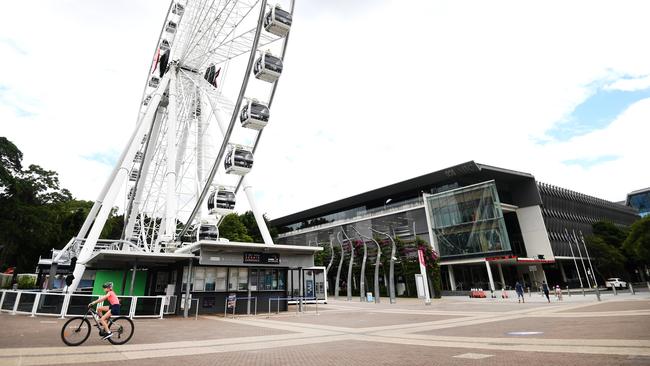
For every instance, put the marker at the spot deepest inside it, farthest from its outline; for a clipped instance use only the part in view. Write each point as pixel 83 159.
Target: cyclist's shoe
pixel 102 333
pixel 107 335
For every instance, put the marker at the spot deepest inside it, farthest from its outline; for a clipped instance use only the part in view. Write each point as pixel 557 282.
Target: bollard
pixel 529 293
pixel 598 293
pixel 583 291
pixel 648 284
pixel 631 289
pixel 568 291
pixel 614 289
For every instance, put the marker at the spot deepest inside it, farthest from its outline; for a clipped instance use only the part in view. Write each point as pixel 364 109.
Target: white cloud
pixel 368 97
pixel 630 84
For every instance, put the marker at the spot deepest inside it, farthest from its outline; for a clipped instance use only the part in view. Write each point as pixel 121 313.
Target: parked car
pixel 615 282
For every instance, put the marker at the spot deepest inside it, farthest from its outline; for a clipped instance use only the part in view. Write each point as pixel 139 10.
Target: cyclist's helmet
pixel 107 285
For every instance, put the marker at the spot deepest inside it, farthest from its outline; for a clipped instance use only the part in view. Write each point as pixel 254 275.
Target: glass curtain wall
pixel 468 221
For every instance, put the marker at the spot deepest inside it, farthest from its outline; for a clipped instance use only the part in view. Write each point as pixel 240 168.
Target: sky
pixel 372 92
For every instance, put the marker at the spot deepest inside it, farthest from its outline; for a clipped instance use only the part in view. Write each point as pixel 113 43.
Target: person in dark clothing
pixel 519 289
pixel 546 290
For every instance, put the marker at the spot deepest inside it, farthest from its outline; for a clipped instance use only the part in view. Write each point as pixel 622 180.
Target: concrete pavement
pixel 457 331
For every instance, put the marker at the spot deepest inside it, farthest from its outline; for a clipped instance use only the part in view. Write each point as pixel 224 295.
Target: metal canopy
pixel 238 247
pixel 118 258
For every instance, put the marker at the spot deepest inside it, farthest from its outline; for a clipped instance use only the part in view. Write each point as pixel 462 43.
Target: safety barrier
pixel 66 305
pixel 234 304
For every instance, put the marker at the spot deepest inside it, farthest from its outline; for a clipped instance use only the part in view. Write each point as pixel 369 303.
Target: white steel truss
pixel 189 116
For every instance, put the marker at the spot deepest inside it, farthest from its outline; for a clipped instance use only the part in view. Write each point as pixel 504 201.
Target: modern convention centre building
pixel 490 226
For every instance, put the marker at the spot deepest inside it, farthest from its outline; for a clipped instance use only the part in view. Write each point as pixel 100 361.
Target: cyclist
pixel 105 312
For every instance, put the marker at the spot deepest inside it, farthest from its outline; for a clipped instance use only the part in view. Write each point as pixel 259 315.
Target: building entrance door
pixel 308 283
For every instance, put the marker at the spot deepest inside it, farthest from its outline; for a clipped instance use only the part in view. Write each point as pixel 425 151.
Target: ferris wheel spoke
pixel 218 22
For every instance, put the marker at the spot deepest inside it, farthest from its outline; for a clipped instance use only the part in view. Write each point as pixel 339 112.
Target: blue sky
pixel 600 109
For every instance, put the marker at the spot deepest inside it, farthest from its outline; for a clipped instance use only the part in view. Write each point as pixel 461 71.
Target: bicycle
pixel 77 330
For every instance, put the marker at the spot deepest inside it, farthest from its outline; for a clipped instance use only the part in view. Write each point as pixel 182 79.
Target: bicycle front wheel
pixel 122 329
pixel 75 331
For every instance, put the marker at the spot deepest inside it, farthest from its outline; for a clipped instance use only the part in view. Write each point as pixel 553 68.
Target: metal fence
pixel 63 305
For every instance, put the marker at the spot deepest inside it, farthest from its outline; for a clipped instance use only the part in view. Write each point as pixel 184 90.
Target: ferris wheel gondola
pixel 164 45
pixel 178 9
pixel 154 82
pixel 221 201
pixel 254 115
pixel 238 160
pixel 278 21
pixel 268 67
pixel 171 27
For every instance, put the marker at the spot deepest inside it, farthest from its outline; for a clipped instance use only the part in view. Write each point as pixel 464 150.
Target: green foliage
pixel 26 282
pixel 608 259
pixel 611 234
pixel 322 258
pixel 233 229
pixel 248 219
pixel 638 242
pixel 36 214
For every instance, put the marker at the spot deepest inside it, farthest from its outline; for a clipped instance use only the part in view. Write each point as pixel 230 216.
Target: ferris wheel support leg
pixel 261 223
pixel 259 217
pixel 115 185
pixel 170 210
pixel 134 205
pixel 98 202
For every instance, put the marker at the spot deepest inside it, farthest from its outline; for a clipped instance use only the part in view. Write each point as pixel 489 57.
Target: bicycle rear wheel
pixel 75 331
pixel 122 329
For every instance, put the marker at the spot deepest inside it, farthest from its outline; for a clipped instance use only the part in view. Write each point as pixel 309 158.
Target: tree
pixel 638 242
pixel 609 261
pixel 248 219
pixel 29 209
pixel 610 233
pixel 233 229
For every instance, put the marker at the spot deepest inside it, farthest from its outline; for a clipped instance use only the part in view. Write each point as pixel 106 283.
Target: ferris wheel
pixel 205 104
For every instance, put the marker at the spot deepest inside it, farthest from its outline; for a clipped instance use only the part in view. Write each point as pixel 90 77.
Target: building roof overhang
pixel 237 247
pixel 467 169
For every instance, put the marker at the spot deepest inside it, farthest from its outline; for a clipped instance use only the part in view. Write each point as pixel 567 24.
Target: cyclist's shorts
pixel 115 310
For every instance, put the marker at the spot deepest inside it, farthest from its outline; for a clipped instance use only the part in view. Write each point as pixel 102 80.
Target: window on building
pixel 210 278
pixel 468 220
pixel 220 281
pixel 199 279
pixel 238 280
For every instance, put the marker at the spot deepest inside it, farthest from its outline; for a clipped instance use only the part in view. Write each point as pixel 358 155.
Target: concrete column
pixel 452 279
pixel 50 281
pixel 541 268
pixel 503 281
pixel 489 271
pixel 559 263
pixel 135 271
pixel 186 309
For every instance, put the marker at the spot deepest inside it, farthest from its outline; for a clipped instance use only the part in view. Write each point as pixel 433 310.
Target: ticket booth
pixel 260 277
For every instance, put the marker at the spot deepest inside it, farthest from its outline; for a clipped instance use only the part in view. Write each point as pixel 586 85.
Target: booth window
pixel 238 280
pixel 268 279
pixel 199 279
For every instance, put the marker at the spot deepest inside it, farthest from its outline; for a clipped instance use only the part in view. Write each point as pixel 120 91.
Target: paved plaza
pixel 451 331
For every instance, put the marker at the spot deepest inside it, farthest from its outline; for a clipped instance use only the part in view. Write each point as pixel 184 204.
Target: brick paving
pixel 451 331
pixel 355 353
pixel 625 327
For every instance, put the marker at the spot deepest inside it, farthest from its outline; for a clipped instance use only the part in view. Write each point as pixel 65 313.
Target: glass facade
pixel 222 279
pixel 640 201
pixel 348 214
pixel 468 221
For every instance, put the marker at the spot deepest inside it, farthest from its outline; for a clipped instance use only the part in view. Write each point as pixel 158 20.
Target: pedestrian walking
pixel 546 290
pixel 558 292
pixel 519 289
